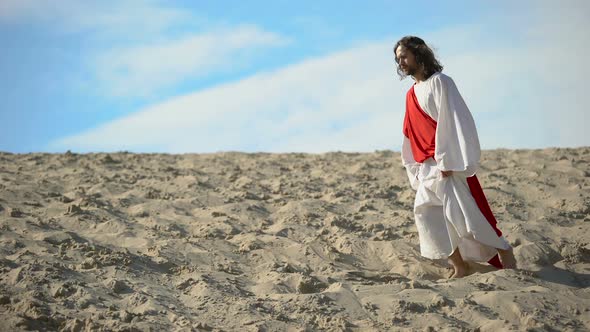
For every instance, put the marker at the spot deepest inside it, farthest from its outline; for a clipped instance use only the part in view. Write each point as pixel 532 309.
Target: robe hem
pixel 443 256
pixel 446 256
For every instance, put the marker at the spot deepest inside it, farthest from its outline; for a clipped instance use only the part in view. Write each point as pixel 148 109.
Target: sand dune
pixel 280 242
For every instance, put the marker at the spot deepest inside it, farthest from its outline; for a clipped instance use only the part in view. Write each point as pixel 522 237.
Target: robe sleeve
pixel 411 165
pixel 457 146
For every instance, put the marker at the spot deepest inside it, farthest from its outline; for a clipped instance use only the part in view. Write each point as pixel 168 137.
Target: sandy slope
pixel 280 242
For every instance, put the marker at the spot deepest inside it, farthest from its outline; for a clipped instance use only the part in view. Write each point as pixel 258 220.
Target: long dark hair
pixel 423 53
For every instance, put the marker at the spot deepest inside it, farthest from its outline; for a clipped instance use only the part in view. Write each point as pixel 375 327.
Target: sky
pixel 281 76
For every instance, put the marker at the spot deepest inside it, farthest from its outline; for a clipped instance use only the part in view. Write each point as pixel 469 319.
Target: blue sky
pixel 280 76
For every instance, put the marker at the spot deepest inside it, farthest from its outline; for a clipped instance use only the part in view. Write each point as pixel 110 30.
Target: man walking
pixel 441 154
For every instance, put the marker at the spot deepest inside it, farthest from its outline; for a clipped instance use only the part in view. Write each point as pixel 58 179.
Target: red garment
pixel 420 129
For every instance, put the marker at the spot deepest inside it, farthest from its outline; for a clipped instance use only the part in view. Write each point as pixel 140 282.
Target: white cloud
pixel 286 110
pixel 531 82
pixel 563 40
pixel 141 70
pixel 523 95
pixel 114 19
pixel 136 47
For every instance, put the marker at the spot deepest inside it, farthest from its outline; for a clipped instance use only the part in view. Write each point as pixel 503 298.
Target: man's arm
pixel 412 167
pixel 456 143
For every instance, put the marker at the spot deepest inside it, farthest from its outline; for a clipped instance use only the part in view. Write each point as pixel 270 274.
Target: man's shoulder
pixel 441 79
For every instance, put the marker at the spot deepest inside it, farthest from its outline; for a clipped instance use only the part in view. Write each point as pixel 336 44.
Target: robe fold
pixel 450 212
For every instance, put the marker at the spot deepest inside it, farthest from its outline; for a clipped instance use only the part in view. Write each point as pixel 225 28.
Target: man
pixel 441 154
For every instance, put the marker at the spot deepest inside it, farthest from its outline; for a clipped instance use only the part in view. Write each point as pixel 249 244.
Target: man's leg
pixel 481 240
pixel 459 265
pixel 435 242
pixel 437 237
pixel 506 255
pixel 507 258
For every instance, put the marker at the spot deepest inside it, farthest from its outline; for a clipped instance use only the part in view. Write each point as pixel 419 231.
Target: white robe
pixel 446 214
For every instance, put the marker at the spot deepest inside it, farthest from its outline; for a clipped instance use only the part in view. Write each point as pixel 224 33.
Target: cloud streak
pixel 141 70
pixel 137 47
pixel 352 101
pixel 113 19
pixel 274 111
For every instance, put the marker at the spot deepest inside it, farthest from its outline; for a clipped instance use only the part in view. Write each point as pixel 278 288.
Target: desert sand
pixel 236 241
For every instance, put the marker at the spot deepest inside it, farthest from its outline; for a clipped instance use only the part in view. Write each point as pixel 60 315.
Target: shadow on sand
pixel 547 273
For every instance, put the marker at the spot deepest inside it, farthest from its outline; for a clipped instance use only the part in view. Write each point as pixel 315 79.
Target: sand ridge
pixel 236 241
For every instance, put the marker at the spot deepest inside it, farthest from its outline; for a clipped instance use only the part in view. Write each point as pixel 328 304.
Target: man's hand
pixel 446 173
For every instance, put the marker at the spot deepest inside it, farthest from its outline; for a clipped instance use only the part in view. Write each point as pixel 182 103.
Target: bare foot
pixel 459 265
pixel 459 271
pixel 507 258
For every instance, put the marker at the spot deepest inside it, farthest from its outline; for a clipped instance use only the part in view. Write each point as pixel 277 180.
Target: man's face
pixel 406 60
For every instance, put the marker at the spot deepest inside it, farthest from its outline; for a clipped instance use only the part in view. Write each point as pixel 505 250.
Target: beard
pixel 410 70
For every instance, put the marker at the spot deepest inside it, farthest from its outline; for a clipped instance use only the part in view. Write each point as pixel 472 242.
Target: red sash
pixel 420 129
